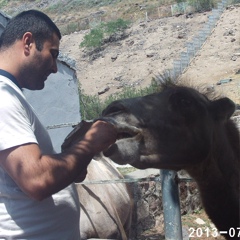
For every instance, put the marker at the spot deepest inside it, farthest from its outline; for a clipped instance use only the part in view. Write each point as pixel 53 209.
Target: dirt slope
pixel 151 48
pixel 220 56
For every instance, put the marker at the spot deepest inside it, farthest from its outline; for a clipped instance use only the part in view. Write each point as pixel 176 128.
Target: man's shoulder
pixel 9 97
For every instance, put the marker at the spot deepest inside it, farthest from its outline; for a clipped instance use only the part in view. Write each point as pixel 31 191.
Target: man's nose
pixel 54 67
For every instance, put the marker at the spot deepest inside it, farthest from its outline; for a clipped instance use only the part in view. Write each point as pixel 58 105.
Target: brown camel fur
pixel 181 128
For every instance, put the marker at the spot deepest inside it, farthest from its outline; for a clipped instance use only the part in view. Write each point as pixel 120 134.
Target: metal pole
pixel 171 205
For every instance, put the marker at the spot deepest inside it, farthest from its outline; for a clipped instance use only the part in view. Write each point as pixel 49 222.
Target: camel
pixel 181 128
pixel 106 209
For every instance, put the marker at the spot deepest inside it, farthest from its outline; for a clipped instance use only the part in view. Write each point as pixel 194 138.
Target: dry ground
pixel 151 48
pixel 191 229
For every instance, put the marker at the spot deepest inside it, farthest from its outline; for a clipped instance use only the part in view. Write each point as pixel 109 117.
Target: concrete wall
pixel 57 103
pixel 3 21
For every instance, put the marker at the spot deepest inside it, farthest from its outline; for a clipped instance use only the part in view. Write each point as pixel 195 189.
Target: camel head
pixel 171 129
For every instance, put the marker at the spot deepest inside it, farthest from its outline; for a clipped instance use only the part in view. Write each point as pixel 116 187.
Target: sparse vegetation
pixel 203 5
pixel 79 5
pixel 3 3
pixel 76 15
pixel 92 106
pixel 115 26
pixel 95 38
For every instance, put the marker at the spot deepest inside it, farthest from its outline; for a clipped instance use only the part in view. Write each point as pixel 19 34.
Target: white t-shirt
pixel 55 218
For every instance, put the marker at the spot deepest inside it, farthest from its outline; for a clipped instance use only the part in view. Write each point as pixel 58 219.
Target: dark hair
pixel 36 22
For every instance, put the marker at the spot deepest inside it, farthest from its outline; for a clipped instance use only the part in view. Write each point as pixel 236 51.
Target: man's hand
pixel 95 136
pixel 81 177
pixel 86 140
pixel 100 136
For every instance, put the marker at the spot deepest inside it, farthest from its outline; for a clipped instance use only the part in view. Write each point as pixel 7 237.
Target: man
pixel 38 199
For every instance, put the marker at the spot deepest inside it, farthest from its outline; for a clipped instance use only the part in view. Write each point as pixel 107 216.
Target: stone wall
pixel 148 208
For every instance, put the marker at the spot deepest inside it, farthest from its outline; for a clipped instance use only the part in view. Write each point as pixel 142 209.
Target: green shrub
pixel 91 106
pixel 3 3
pixel 115 26
pixel 95 38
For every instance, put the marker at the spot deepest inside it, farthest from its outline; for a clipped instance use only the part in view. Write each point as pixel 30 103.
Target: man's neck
pixel 9 76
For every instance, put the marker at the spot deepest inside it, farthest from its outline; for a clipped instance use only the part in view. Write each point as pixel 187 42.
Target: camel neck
pixel 218 179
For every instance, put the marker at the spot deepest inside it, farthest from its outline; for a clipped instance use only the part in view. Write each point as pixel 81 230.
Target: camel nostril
pixel 110 151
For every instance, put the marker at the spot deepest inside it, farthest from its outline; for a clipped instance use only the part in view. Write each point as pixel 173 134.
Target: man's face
pixel 41 64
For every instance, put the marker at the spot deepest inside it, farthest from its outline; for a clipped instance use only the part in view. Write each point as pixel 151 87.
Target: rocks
pixel 149 55
pixel 129 42
pixel 181 35
pixel 229 32
pixel 200 221
pixel 148 207
pixel 114 57
pixel 64 58
pixel 103 90
pixel 238 71
pixel 234 58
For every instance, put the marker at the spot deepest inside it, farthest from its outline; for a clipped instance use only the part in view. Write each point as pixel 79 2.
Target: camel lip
pixel 127 134
pixel 126 131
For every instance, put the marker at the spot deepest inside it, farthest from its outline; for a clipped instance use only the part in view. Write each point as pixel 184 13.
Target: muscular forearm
pixel 40 176
pixel 64 169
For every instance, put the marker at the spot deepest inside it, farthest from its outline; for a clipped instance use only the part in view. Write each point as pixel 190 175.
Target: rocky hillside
pixel 150 47
pixel 82 14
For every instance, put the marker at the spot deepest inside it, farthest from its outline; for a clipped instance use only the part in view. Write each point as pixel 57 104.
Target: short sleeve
pixel 15 123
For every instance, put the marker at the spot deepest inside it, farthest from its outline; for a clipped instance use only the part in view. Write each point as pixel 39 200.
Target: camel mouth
pixel 124 135
pixel 127 137
pixel 126 132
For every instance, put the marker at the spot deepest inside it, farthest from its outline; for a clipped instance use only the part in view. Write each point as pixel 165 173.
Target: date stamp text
pixel 212 232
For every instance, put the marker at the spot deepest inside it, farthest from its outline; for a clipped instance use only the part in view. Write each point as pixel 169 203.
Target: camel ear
pixel 222 109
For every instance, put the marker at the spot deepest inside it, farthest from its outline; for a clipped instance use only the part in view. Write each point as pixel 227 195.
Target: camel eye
pixel 115 107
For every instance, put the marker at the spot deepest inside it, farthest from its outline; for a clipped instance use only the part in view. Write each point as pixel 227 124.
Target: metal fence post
pixel 171 205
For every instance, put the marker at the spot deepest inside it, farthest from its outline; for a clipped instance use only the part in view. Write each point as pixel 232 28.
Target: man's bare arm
pixel 40 176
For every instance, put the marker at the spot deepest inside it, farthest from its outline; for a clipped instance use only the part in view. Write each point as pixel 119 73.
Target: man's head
pixel 38 23
pixel 29 46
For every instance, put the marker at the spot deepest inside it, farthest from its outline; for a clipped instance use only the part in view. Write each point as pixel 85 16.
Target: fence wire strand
pixel 132 180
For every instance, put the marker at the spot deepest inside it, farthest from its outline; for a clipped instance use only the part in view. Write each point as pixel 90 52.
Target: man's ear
pixel 27 40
